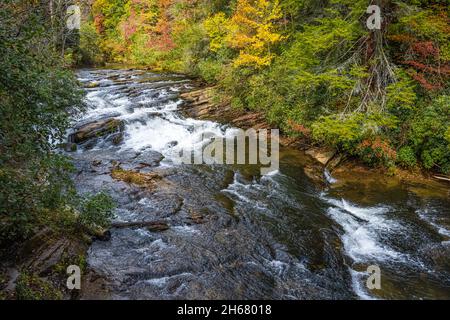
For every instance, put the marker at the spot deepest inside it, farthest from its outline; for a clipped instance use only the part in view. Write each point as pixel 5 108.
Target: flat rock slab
pixel 96 129
pixel 321 155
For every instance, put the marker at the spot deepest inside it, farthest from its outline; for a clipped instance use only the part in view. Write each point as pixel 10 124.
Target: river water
pixel 277 236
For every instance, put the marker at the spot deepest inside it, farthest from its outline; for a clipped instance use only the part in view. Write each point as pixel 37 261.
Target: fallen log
pixel 443 178
pixel 150 225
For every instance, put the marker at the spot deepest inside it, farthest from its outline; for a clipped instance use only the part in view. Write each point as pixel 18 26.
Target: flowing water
pixel 277 236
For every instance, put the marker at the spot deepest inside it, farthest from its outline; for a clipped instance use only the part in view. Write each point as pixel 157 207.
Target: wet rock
pixel 335 162
pixel 150 225
pixel 102 235
pixel 96 129
pixel 147 158
pixel 90 144
pixel 94 287
pixel 147 180
pixel 172 144
pixel 113 157
pixel 158 227
pixel 8 278
pixel 321 155
pixel 251 120
pixel 196 217
pixel 96 162
pixel 315 174
pixel 70 147
pixel 117 138
pixel 439 256
pixel 45 250
pixel 92 85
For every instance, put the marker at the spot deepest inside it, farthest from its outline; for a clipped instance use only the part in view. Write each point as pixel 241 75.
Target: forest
pixel 312 66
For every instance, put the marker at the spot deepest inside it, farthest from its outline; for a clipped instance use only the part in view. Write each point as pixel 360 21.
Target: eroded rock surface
pixel 97 129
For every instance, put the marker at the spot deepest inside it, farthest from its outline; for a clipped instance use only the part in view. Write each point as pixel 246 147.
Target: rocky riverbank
pixel 36 268
pixel 202 104
pixel 226 232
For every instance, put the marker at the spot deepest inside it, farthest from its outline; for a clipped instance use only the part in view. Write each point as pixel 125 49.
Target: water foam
pixel 363 230
pixel 329 177
pixel 429 216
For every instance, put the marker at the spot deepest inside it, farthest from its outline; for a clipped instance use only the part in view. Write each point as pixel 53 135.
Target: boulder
pixel 46 249
pixel 315 173
pixel 321 155
pixel 335 162
pixel 117 138
pixel 96 129
pixel 96 162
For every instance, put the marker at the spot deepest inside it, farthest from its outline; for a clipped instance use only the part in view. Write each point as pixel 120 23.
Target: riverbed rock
pixel 96 162
pixel 92 85
pixel 438 255
pixel 315 173
pixel 69 147
pixel 96 129
pixel 102 235
pixel 47 249
pixel 158 227
pixel 321 155
pixel 335 162
pixel 145 180
pixel 117 138
pixel 196 217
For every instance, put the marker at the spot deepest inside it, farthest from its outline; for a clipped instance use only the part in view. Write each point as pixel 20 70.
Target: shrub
pixel 31 287
pixel 334 131
pixel 97 211
pixel 209 70
pixel 376 151
pixel 406 157
pixel 428 134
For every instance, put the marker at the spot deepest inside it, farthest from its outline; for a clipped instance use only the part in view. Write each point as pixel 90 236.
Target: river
pixel 235 234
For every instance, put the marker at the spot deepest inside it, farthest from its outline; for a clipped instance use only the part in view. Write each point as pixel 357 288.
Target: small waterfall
pixel 329 177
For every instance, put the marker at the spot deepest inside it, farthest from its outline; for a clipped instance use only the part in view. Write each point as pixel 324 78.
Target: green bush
pixel 428 134
pixel 332 130
pixel 376 151
pixel 97 211
pixel 209 70
pixel 38 98
pixel 31 287
pixel 406 157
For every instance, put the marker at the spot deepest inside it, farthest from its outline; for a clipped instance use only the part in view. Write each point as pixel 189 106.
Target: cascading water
pixel 274 236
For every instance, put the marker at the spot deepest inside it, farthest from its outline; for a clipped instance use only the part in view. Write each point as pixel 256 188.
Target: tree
pixel 252 31
pixel 37 97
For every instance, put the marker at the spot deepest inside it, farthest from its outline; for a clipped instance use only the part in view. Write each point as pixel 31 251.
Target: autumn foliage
pixel 313 67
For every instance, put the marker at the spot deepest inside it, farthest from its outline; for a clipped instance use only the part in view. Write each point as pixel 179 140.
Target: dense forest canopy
pixel 314 67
